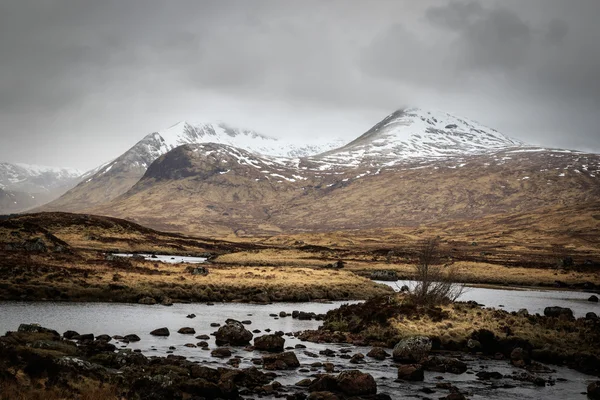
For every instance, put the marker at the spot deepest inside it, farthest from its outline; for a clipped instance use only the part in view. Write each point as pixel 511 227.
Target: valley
pixel 330 232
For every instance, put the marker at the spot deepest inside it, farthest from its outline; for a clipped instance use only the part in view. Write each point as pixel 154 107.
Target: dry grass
pixel 462 321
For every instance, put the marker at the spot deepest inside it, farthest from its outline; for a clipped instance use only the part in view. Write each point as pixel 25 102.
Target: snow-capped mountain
pixel 415 134
pixel 114 178
pixel 35 178
pixel 26 186
pixel 158 143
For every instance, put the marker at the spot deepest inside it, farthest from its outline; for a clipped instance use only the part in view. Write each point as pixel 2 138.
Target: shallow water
pixel 122 319
pixel 534 300
pixel 166 258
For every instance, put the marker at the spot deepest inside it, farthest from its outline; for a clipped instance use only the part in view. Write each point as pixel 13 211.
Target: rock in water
pixel 273 343
pixel 593 390
pixel 445 364
pixel 160 332
pixel 411 372
pixel 233 333
pixel 558 312
pixel 378 353
pixel 412 349
pixel 287 360
pixel 356 383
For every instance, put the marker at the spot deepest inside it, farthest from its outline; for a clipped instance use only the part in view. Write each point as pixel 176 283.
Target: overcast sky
pixel 81 81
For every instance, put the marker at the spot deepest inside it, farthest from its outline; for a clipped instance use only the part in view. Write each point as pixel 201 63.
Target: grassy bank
pixel 465 327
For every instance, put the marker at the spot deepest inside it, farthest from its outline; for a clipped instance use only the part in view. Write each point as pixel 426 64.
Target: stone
pixel 147 301
pixel 167 301
pixel 378 353
pixel 593 390
pixel 282 361
pixel 272 343
pixel 558 312
pixel 191 316
pixel 70 334
pixel 233 333
pixel 411 372
pixel 519 357
pixel 356 383
pixel 131 338
pixel 445 364
pixel 221 352
pixel 357 358
pixel 593 298
pixel 160 332
pixel 412 349
pixel 187 331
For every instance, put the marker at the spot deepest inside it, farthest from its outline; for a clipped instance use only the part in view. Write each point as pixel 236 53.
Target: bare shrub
pixel 436 283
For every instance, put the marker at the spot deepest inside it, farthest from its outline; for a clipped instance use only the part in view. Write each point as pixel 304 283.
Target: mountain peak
pixel 414 133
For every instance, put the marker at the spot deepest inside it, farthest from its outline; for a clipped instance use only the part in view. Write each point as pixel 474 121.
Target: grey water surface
pixel 122 319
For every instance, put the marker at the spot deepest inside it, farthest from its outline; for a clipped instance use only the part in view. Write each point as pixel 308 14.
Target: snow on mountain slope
pixel 412 134
pixel 158 143
pixel 36 178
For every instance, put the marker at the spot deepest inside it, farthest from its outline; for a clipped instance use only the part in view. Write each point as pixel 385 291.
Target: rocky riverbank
pixel 554 338
pixel 359 353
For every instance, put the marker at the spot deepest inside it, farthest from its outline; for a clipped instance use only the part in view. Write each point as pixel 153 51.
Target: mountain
pixel 26 186
pixel 413 168
pixel 414 134
pixel 219 190
pixel 116 177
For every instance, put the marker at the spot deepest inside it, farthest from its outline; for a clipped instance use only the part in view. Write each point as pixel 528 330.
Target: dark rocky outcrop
pixel 558 312
pixel 233 333
pixel 273 343
pixel 282 361
pixel 160 332
pixel 411 372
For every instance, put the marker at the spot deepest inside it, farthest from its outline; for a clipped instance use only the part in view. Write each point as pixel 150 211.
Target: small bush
pixel 436 283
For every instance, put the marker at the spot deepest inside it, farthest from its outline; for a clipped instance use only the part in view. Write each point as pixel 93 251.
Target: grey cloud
pixel 104 73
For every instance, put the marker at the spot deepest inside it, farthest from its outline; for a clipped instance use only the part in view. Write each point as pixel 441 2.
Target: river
pixel 122 319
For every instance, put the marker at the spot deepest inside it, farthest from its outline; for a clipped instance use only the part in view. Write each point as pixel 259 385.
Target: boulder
pixel 70 334
pixel 282 361
pixel 358 358
pixel 160 332
pixel 591 316
pixel 147 301
pixel 131 338
pixel 167 301
pixel 273 343
pixel 593 390
pixel 35 245
pixel 520 357
pixel 445 364
pixel 324 383
pixel 222 352
pixel 233 333
pixel 412 349
pixel 202 271
pixel 593 298
pixel 35 328
pixel 356 383
pixel 384 276
pixel 378 353
pixel 187 331
pixel 557 312
pixel 411 372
